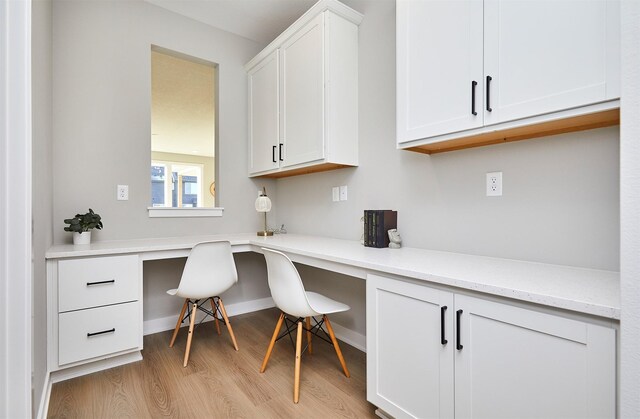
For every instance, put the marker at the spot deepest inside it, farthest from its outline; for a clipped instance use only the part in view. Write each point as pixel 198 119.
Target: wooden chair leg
pixel 226 320
pixel 190 335
pixel 180 317
pixel 336 346
pixel 309 347
pixel 215 315
pixel 296 377
pixel 272 343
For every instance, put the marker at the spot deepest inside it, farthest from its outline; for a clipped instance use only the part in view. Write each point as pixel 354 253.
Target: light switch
pixel 343 193
pixel 336 193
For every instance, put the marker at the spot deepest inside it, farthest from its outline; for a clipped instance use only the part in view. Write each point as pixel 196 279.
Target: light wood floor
pixel 220 382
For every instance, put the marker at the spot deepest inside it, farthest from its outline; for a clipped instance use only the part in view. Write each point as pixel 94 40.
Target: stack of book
pixel 376 225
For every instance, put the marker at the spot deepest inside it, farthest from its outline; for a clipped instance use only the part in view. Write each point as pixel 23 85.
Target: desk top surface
pixel 588 291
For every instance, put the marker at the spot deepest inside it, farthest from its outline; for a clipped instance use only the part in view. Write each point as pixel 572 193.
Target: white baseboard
pixel 103 364
pixel 168 323
pixel 354 339
pixel 43 408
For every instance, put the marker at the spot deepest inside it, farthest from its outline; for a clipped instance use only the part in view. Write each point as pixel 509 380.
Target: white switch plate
pixel 343 193
pixel 494 184
pixel 335 191
pixel 123 193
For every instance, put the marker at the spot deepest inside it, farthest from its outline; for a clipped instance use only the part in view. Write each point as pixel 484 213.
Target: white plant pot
pixel 84 238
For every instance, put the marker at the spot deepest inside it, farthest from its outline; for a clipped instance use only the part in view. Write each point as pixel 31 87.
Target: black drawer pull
pixel 101 333
pixel 442 338
pixel 273 154
pixel 473 97
pixel 111 281
pixel 489 78
pixel 280 152
pixel 458 316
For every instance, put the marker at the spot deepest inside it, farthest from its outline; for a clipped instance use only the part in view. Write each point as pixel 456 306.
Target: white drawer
pixel 80 337
pixel 92 282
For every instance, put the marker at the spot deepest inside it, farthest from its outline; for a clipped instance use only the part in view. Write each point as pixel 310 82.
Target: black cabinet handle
pixel 458 316
pixel 101 333
pixel 473 97
pixel 273 154
pixel 111 281
pixel 489 93
pixel 442 338
pixel 280 152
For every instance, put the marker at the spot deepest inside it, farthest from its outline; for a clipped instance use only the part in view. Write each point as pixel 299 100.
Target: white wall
pixel 630 213
pixel 561 193
pixel 42 184
pixel 101 114
pixel 560 202
pixel 102 137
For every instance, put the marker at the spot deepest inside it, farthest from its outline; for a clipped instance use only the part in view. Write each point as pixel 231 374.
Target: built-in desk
pixel 585 292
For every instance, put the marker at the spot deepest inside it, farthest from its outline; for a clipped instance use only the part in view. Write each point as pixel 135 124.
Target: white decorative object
pixel 395 241
pixel 82 238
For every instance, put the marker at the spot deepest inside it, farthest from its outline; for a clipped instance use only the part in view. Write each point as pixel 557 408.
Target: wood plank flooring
pixel 220 382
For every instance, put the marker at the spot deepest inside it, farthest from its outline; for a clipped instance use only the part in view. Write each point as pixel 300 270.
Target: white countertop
pixel 588 291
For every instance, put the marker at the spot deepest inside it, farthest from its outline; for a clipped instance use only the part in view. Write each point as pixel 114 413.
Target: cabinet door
pixel 409 369
pixel 549 55
pixel 302 112
pixel 521 363
pixel 439 57
pixel 263 115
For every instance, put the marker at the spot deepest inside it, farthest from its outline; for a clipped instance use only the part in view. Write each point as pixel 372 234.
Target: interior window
pixel 183 130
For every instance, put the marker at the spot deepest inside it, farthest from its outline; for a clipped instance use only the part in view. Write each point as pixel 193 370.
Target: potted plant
pixel 83 223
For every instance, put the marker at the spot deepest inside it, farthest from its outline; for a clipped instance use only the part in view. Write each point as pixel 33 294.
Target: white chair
pixel 291 298
pixel 210 270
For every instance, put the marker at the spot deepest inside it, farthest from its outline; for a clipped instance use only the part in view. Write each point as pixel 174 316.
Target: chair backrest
pixel 210 270
pixel 286 286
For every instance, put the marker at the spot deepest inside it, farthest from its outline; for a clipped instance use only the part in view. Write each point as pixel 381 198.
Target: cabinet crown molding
pixel 321 6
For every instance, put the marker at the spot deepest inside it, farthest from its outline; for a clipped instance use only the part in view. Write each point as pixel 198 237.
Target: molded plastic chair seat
pixel 290 296
pixel 324 305
pixel 209 271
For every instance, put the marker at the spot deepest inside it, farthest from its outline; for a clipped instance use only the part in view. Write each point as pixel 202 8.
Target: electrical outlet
pixel 335 191
pixel 343 193
pixel 494 184
pixel 123 192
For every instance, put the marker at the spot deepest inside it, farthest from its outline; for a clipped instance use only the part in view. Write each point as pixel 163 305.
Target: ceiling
pixel 259 20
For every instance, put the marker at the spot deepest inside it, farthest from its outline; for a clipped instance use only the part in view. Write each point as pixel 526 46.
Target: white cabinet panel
pixel 439 58
pixel 546 55
pixel 302 64
pixel 263 115
pixel 409 369
pixel 316 103
pixel 95 332
pixel 522 363
pixel 542 67
pixel 97 281
pixel 499 360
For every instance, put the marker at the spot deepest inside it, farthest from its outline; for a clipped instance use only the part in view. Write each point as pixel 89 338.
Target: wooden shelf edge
pixel 306 170
pixel 601 119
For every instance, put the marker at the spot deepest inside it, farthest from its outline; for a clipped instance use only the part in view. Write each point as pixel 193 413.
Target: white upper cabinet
pixel 307 96
pixel 439 67
pixel 550 55
pixel 263 115
pixel 541 67
pixel 302 104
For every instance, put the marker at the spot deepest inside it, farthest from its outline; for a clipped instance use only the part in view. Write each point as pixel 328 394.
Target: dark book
pixel 377 224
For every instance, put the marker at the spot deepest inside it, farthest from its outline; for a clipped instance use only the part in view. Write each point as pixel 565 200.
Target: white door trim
pixel 15 209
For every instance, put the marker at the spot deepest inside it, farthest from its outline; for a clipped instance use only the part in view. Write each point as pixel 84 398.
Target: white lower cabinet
pixel 94 309
pixel 435 353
